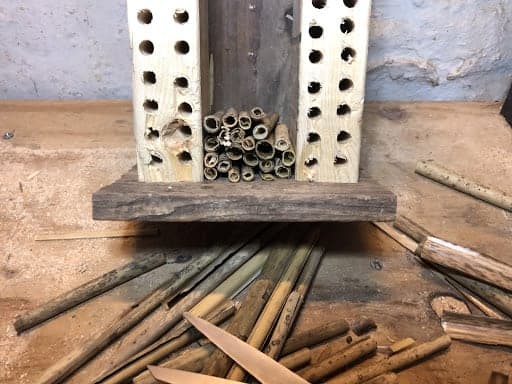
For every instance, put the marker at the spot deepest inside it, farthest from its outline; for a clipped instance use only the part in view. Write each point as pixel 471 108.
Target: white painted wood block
pixel 169 93
pixel 333 59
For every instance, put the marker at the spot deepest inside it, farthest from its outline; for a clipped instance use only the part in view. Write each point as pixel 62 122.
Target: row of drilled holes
pixel 347 55
pixel 346 27
pixel 322 3
pixel 147 47
pixel 338 160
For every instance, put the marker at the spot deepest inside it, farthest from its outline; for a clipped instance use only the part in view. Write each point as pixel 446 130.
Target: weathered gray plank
pixel 281 201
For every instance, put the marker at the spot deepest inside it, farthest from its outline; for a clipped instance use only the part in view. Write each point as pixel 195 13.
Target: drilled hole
pixel 182 47
pixel 185 157
pixel 340 160
pixel 343 136
pixel 181 82
pixel 185 130
pixel 150 106
pixel 314 87
pixel 155 159
pixel 316 31
pixel 347 26
pixel 343 109
pixel 145 16
pixel 315 56
pixel 348 54
pixel 311 162
pixel 149 77
pixel 345 84
pixel 350 3
pixel 319 3
pixel 181 16
pixel 314 112
pixel 146 47
pixel 152 134
pixel 313 137
pixel 185 108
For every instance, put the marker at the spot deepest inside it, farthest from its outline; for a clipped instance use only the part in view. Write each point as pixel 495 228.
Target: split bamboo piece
pixel 294 304
pixel 476 329
pixel 401 345
pixel 221 284
pixel 467 261
pixel 460 183
pixel 339 361
pixel 130 318
pixel 87 291
pixel 270 313
pixel 254 302
pixel 138 365
pixel 359 375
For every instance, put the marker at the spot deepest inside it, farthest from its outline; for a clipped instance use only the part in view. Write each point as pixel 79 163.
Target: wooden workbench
pixel 63 152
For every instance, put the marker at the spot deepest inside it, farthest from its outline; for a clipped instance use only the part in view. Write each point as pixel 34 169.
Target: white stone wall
pixel 419 50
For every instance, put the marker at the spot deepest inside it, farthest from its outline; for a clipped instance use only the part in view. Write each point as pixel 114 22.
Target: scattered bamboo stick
pixel 393 363
pixel 282 138
pixel 136 366
pixel 467 261
pixel 297 359
pixel 273 308
pixel 221 284
pixel 294 304
pixel 99 234
pixel 401 345
pixel 339 361
pixel 127 320
pixel 254 302
pixel 460 183
pixel 86 292
pixel 481 330
pixel 388 378
pixel 315 335
pixel 333 347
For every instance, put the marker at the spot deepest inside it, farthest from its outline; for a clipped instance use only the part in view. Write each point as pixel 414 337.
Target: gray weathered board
pixel 279 201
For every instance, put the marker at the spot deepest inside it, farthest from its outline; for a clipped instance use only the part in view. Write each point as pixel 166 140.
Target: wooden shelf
pixel 278 201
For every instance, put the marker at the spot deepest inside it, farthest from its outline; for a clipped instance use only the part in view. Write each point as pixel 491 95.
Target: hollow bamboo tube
pixel 237 135
pixel 211 159
pixel 257 114
pixel 281 171
pixel 254 302
pixel 211 144
pixel 225 163
pixel 265 149
pixel 339 361
pixel 393 363
pixel 460 183
pixel 138 365
pixel 273 308
pixel 86 292
pixel 263 130
pixel 315 335
pixel 250 159
pixel 235 152
pixel 288 158
pixel 249 144
pixel 267 176
pixel 282 138
pixel 130 318
pixel 294 304
pixel 248 174
pixel 230 118
pixel 212 123
pixel 266 166
pixel 244 120
pixel 210 174
pixel 234 174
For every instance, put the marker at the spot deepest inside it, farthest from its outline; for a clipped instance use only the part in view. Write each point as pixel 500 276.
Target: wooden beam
pixel 334 47
pixel 285 201
pixel 169 42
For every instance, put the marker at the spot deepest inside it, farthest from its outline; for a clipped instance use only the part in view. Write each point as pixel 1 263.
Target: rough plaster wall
pixel 419 50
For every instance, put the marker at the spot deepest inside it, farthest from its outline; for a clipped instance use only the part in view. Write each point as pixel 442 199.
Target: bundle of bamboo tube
pixel 243 145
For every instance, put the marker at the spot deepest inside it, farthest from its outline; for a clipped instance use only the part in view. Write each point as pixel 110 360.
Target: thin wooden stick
pixel 297 359
pixel 271 312
pixel 98 234
pixel 87 291
pixel 211 292
pixel 294 304
pixel 476 329
pixel 411 229
pixel 467 261
pixel 127 320
pixel 339 361
pixel 401 345
pixel 460 183
pixel 400 238
pixel 393 363
pixel 138 365
pixel 257 296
